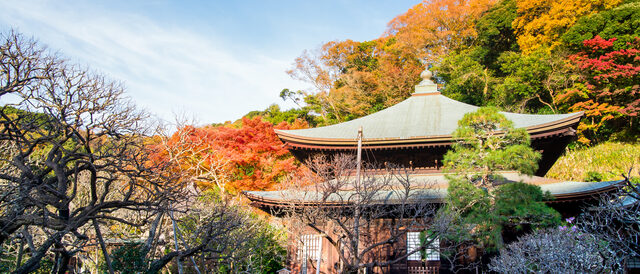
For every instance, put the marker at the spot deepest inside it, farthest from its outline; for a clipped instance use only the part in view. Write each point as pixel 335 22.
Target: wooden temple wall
pixel 308 244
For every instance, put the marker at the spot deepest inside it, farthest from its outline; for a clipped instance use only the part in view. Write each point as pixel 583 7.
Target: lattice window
pixel 413 243
pixel 309 247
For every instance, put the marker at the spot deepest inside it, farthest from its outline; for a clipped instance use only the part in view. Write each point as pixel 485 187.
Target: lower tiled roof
pixel 433 188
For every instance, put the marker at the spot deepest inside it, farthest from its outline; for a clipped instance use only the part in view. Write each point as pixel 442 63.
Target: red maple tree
pixel 248 157
pixel 607 86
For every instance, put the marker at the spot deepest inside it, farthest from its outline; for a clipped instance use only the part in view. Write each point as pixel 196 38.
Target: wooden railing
pixel 423 270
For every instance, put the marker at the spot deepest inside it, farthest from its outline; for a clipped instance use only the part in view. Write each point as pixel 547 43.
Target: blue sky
pixel 211 61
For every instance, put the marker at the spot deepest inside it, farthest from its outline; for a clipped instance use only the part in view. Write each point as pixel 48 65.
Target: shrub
pixel 593 176
pixel 610 159
pixel 558 250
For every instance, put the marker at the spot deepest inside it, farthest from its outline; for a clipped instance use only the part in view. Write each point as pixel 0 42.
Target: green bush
pixel 593 176
pixel 126 259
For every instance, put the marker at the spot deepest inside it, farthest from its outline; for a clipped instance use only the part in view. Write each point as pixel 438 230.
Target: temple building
pixel 416 133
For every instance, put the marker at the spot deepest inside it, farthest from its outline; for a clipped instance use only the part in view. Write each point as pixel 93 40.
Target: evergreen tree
pixel 484 204
pixel 487 143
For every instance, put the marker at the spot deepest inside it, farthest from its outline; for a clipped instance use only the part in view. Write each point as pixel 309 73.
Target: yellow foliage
pixel 541 22
pixel 430 29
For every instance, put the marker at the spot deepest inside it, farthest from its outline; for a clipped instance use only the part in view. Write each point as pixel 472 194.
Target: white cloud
pixel 167 69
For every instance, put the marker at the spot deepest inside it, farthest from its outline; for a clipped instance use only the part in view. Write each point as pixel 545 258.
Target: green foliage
pixel 129 258
pixel 513 81
pixel 622 22
pixel 593 176
pixel 425 237
pixel 365 59
pixel 46 265
pixel 482 216
pixel 526 77
pixel 8 263
pixel 487 143
pixel 26 117
pixel 261 250
pixel 493 71
pixel 274 115
pixel 268 253
pixel 482 202
pixel 44 124
pixel 471 208
pixel 519 203
pixel 467 199
pixel 495 32
pixel 467 80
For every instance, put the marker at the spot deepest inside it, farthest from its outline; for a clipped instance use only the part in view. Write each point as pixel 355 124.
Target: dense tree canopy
pixel 432 28
pixel 554 64
pixel 540 23
pixel 495 32
pixel 352 79
pixel 622 23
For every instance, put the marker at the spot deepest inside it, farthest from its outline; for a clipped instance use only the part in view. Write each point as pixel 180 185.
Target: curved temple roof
pixel 425 116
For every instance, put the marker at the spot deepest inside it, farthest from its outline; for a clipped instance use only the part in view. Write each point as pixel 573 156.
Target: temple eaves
pixel 436 190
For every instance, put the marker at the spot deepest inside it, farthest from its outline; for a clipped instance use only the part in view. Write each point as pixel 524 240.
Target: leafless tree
pixel 209 233
pixel 365 220
pixel 616 220
pixel 75 158
pixel 76 153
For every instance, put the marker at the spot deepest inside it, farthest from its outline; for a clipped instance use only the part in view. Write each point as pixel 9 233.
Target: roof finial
pixel 426 76
pixel 426 85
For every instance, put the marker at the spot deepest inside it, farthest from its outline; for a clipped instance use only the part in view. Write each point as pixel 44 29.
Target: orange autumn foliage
pixel 249 157
pixel 352 79
pixel 432 28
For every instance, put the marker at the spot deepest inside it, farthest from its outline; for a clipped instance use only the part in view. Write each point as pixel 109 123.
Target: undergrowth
pixel 602 162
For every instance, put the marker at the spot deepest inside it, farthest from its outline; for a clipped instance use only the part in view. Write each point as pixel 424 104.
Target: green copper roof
pixel 434 189
pixel 422 115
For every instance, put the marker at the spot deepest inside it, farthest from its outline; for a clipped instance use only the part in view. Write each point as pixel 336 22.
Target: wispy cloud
pixel 167 69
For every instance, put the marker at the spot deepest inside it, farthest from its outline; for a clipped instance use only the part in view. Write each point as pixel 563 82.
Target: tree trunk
pixel 103 247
